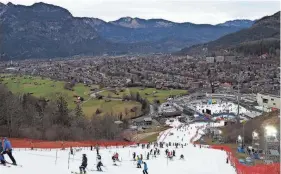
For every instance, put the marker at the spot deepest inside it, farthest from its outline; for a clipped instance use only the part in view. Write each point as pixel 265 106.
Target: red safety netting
pixel 244 169
pixel 29 143
pixel 241 168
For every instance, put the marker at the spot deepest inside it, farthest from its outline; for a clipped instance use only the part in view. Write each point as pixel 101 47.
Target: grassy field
pixel 115 106
pixel 44 87
pixel 150 94
pixel 117 94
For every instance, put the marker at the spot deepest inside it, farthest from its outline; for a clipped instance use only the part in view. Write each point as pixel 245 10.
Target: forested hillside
pixel 263 37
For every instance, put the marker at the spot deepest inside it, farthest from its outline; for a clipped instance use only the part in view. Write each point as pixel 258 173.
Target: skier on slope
pixel 170 155
pixel 114 160
pixel 2 159
pixel 7 149
pixel 99 166
pixel 134 156
pixel 147 156
pixel 84 164
pixel 182 157
pixel 139 163
pixel 145 168
pixel 97 149
pixel 116 156
pixel 98 158
pixel 71 151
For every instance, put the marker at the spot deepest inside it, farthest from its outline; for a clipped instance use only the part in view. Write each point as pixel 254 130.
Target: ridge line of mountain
pixel 48 31
pixel 123 18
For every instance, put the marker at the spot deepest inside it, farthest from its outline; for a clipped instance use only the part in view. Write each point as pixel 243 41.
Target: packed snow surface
pixel 222 107
pixel 196 160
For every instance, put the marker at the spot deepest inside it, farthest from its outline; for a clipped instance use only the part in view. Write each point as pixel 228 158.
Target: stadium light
pixel 239 138
pixel 255 139
pixel 270 131
pixel 255 134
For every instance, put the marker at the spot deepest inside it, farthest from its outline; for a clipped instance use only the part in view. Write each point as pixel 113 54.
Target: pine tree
pixel 78 112
pixel 138 97
pixel 62 111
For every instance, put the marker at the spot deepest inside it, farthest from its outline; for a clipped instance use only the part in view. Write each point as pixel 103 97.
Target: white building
pixel 219 58
pixel 268 101
pixel 230 58
pixel 189 57
pixel 234 62
pixel 210 59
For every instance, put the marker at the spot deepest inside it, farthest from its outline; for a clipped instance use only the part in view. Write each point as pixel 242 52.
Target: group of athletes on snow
pixel 138 158
pixel 6 148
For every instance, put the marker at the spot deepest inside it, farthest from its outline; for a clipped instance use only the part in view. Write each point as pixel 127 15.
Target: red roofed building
pixel 226 85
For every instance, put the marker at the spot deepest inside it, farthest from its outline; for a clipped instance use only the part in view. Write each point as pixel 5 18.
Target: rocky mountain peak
pixel 10 4
pixel 37 11
pixel 128 22
pixel 2 5
pixel 240 23
pixel 142 23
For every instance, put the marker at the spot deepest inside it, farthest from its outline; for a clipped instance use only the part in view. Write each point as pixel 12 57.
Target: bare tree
pixel 30 117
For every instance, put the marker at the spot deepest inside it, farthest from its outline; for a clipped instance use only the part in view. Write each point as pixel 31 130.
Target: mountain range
pixel 47 31
pixel 262 37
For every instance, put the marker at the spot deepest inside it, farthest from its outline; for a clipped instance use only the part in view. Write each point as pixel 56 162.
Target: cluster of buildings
pixel 219 59
pixel 268 101
pixel 197 106
pixel 223 73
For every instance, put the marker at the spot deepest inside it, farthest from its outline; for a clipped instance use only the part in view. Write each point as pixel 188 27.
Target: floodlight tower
pixel 255 139
pixel 271 142
pixel 239 141
pixel 238 100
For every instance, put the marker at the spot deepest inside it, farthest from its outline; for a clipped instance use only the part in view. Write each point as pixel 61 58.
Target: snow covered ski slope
pixel 196 160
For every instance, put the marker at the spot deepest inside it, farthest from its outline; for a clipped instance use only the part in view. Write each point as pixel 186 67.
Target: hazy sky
pixel 207 11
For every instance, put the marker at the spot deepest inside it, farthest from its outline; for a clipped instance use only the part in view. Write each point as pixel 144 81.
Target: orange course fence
pixel 244 169
pixel 240 168
pixel 28 143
